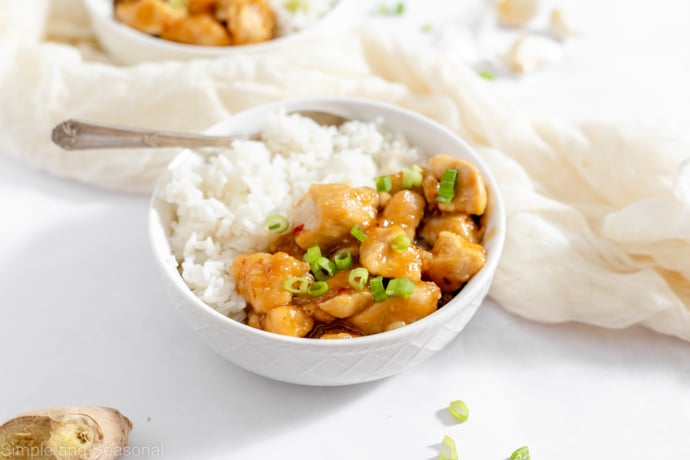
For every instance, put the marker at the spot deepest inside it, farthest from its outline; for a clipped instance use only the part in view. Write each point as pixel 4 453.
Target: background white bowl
pixel 333 362
pixel 130 46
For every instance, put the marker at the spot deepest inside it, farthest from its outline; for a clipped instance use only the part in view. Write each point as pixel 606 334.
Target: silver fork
pixel 82 135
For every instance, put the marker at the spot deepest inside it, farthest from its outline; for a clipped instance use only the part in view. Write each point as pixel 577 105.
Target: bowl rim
pixel 484 276
pixel 97 8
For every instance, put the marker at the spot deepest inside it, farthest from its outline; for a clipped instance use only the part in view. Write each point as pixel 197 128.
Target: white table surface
pixel 85 319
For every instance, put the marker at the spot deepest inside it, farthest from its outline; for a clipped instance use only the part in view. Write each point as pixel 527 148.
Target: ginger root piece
pixel 66 433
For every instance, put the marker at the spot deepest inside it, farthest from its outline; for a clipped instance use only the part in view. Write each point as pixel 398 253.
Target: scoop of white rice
pixel 223 199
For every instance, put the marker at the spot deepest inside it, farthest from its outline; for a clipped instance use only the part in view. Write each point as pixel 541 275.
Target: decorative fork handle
pixel 81 135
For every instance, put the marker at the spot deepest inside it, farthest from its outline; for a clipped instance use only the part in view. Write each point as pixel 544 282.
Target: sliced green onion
pixel 428 27
pixel 459 410
pixel 400 287
pixel 411 177
pixel 521 453
pixel 293 6
pixel 322 268
pixel 312 254
pixel 376 285
pixel 276 223
pixel 448 451
pixel 384 184
pixel 296 285
pixel 400 8
pixel 446 189
pixel 400 243
pixel 486 74
pixel 358 278
pixel 318 288
pixel 390 11
pixel 178 4
pixel 343 260
pixel 358 233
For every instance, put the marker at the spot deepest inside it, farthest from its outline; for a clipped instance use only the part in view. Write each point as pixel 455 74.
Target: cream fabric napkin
pixel 598 214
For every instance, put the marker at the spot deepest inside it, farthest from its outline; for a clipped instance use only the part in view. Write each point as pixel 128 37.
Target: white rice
pixel 289 22
pixel 221 201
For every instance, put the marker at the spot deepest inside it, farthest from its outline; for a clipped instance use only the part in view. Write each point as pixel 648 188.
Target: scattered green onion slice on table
pixel 343 260
pixel 459 410
pixel 276 223
pixel 400 243
pixel 358 278
pixel 312 255
pixel 400 287
pixel 411 177
pixel 376 285
pixel 296 285
pixel 358 233
pixel 448 451
pixel 384 184
pixel 521 453
pixel 318 288
pixel 446 189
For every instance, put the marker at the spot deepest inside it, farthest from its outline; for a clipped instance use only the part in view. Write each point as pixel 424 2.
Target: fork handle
pixel 80 135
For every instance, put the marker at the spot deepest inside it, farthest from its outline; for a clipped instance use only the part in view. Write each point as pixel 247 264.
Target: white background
pixel 85 320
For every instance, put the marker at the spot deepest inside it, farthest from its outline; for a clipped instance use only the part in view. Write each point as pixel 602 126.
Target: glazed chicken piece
pixel 453 261
pixel 288 320
pixel 460 224
pixel 395 312
pixel 248 21
pixel 347 304
pixel 148 16
pixel 327 213
pixel 377 255
pixel 406 209
pixel 260 278
pixel 340 335
pixel 470 189
pixel 341 300
pixel 199 29
pixel 201 6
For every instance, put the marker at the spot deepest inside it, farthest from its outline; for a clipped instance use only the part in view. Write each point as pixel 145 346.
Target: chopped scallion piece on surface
pixel 448 451
pixel 384 184
pixel 400 287
pixel 358 278
pixel 459 410
pixel 400 243
pixel 411 177
pixel 296 285
pixel 486 74
pixel 446 189
pixel 376 285
pixel 318 288
pixel 312 255
pixel 343 260
pixel 276 223
pixel 521 453
pixel 358 233
pixel 386 10
pixel 427 28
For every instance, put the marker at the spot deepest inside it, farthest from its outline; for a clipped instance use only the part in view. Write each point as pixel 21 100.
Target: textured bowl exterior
pixel 334 362
pixel 129 46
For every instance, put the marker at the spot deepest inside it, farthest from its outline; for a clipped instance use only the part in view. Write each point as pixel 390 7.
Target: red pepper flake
pixel 341 290
pixel 298 229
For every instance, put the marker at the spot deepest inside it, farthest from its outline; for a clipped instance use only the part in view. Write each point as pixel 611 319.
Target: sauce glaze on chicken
pixel 200 22
pixel 411 235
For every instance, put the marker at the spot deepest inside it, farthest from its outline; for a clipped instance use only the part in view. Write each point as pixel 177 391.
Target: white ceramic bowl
pixel 130 46
pixel 334 362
